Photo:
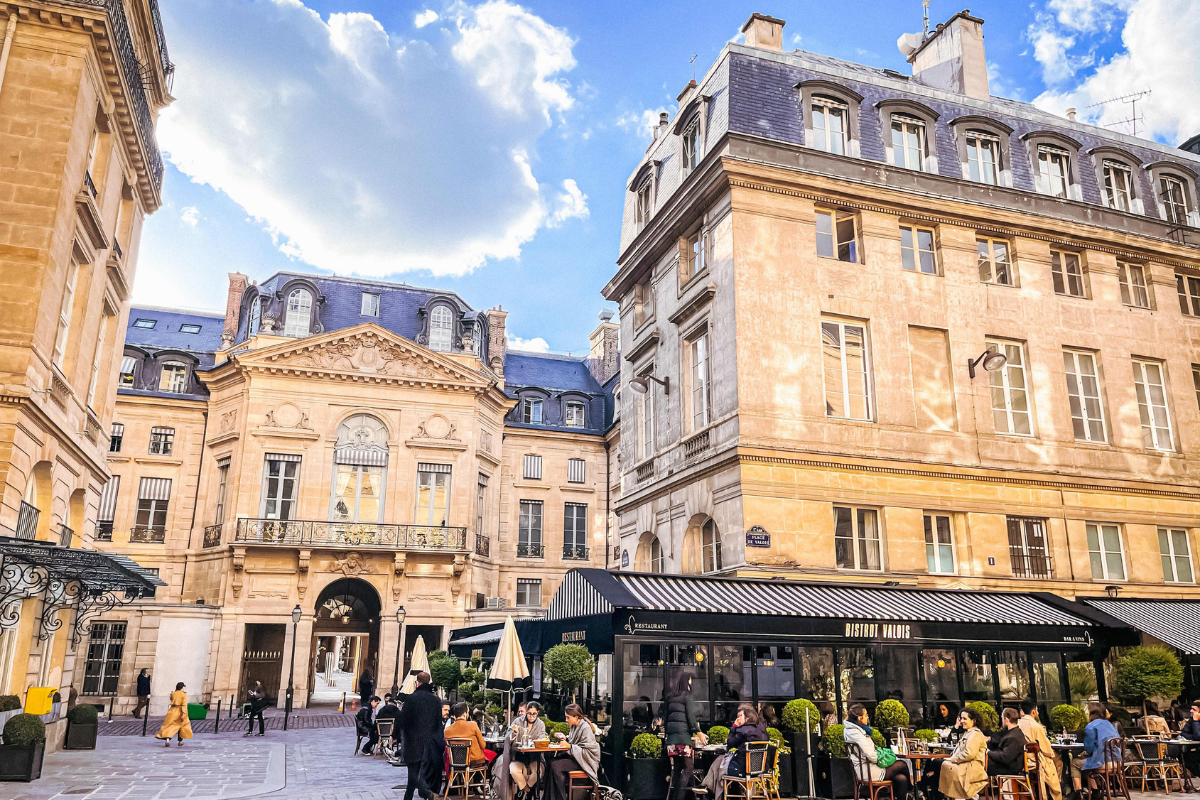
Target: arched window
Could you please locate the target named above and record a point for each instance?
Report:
(255, 317)
(656, 556)
(1117, 173)
(174, 377)
(441, 322)
(359, 470)
(710, 538)
(299, 313)
(1173, 187)
(481, 341)
(649, 554)
(830, 114)
(1055, 161)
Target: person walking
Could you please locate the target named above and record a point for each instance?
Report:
(679, 719)
(176, 722)
(420, 724)
(143, 694)
(366, 687)
(257, 697)
(364, 720)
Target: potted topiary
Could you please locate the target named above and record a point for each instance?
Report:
(81, 728)
(802, 720)
(10, 705)
(570, 665)
(23, 748)
(1067, 718)
(646, 769)
(890, 717)
(1146, 672)
(925, 735)
(991, 720)
(718, 734)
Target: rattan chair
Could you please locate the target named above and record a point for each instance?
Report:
(754, 783)
(384, 727)
(771, 776)
(862, 775)
(1156, 765)
(462, 775)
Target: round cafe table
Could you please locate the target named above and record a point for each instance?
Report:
(1067, 751)
(552, 749)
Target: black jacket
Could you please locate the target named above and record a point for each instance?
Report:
(366, 687)
(363, 720)
(746, 733)
(679, 720)
(1190, 730)
(143, 686)
(1009, 757)
(387, 711)
(420, 723)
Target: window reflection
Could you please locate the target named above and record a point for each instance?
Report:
(1012, 669)
(650, 670)
(898, 676)
(977, 676)
(815, 677)
(1047, 680)
(731, 681)
(858, 676)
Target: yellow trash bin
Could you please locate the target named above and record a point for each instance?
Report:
(40, 699)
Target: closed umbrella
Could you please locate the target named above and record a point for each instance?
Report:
(509, 672)
(419, 663)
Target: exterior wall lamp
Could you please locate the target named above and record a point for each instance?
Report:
(990, 359)
(641, 385)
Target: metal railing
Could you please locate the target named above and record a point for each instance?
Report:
(530, 550)
(575, 552)
(87, 182)
(696, 445)
(1025, 565)
(212, 535)
(483, 546)
(65, 535)
(27, 521)
(299, 532)
(104, 529)
(147, 534)
(116, 248)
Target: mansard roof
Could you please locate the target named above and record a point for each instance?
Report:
(556, 378)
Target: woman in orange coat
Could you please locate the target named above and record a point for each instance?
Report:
(176, 723)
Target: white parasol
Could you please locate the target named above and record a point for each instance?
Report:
(419, 663)
(509, 672)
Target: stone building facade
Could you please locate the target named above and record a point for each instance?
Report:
(815, 256)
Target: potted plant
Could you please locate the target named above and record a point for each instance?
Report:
(803, 738)
(81, 728)
(786, 768)
(718, 734)
(23, 748)
(445, 670)
(837, 776)
(646, 770)
(991, 719)
(890, 717)
(10, 704)
(1146, 672)
(1067, 718)
(925, 735)
(570, 665)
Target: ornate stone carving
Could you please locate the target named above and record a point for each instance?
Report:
(398, 574)
(302, 566)
(352, 564)
(228, 421)
(437, 427)
(287, 415)
(239, 565)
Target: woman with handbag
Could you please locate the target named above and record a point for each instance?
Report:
(882, 764)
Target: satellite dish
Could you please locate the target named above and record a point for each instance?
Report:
(908, 43)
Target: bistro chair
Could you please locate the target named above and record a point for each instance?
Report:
(1109, 780)
(581, 785)
(862, 775)
(771, 776)
(1155, 764)
(462, 775)
(1020, 786)
(384, 727)
(754, 783)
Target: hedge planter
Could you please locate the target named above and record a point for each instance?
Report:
(21, 762)
(836, 778)
(80, 736)
(646, 778)
(787, 782)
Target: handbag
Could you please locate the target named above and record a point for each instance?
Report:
(885, 757)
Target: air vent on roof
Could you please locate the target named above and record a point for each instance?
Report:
(891, 73)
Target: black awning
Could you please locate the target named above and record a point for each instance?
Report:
(1175, 622)
(95, 571)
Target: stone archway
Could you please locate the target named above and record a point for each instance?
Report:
(345, 639)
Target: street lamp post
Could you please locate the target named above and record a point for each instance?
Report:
(399, 643)
(287, 704)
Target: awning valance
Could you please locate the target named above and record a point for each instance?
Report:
(1175, 622)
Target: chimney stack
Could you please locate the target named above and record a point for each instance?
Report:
(497, 340)
(686, 94)
(1071, 114)
(604, 360)
(233, 304)
(764, 32)
(952, 58)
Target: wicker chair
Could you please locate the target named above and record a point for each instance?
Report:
(771, 776)
(862, 775)
(384, 727)
(462, 775)
(754, 783)
(1156, 766)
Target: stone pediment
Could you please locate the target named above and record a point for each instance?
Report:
(366, 352)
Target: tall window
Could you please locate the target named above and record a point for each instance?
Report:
(64, 314)
(696, 260)
(370, 305)
(994, 264)
(837, 235)
(1054, 168)
(646, 418)
(575, 531)
(280, 473)
(162, 441)
(829, 125)
(1029, 548)
(908, 142)
(856, 540)
(441, 319)
(1010, 397)
(222, 488)
(255, 316)
(433, 494)
(116, 437)
(100, 337)
(644, 202)
(1188, 289)
(710, 546)
(1105, 551)
(939, 544)
(1083, 389)
(154, 497)
(173, 378)
(574, 414)
(576, 470)
(1174, 199)
(529, 529)
(480, 502)
(299, 310)
(916, 250)
(1196, 382)
(106, 649)
(1067, 273)
(1176, 555)
(107, 510)
(529, 592)
(983, 157)
(1118, 185)
(1134, 290)
(532, 468)
(128, 365)
(847, 370)
(531, 411)
(360, 458)
(657, 561)
(692, 144)
(701, 395)
(1150, 384)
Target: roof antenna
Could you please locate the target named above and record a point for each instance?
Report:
(692, 61)
(1132, 99)
(925, 11)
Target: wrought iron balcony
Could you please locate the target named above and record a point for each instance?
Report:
(575, 552)
(212, 535)
(147, 534)
(104, 529)
(87, 182)
(530, 550)
(483, 546)
(1031, 565)
(65, 535)
(27, 521)
(320, 533)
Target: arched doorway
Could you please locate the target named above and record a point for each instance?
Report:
(345, 640)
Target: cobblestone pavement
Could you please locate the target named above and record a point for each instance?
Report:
(125, 726)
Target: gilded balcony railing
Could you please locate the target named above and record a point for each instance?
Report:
(147, 534)
(483, 546)
(212, 535)
(317, 533)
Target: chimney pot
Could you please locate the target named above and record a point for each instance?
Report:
(1071, 114)
(233, 305)
(952, 58)
(764, 32)
(604, 360)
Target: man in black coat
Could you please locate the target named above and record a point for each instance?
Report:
(420, 724)
(257, 698)
(143, 694)
(364, 720)
(1009, 757)
(366, 687)
(1190, 730)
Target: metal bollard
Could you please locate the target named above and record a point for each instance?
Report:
(342, 705)
(111, 702)
(145, 719)
(217, 722)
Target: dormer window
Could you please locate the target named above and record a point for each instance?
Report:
(693, 144)
(1118, 185)
(480, 341)
(370, 304)
(644, 207)
(983, 157)
(830, 120)
(441, 322)
(531, 411)
(908, 142)
(574, 414)
(1054, 171)
(173, 378)
(255, 317)
(299, 313)
(1173, 196)
(128, 365)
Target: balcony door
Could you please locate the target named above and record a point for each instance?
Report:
(280, 473)
(359, 470)
(433, 494)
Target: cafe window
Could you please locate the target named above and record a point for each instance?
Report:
(815, 677)
(897, 675)
(1081, 680)
(651, 671)
(776, 668)
(939, 668)
(857, 665)
(1047, 678)
(1012, 670)
(732, 684)
(977, 680)
(856, 538)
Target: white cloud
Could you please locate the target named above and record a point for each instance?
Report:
(361, 154)
(571, 203)
(641, 124)
(534, 345)
(1161, 41)
(1088, 15)
(190, 215)
(1052, 48)
(425, 17)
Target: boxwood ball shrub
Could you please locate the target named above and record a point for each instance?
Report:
(793, 715)
(83, 715)
(569, 664)
(891, 714)
(9, 702)
(646, 745)
(774, 734)
(557, 727)
(925, 735)
(1145, 672)
(1067, 717)
(718, 734)
(834, 741)
(877, 738)
(24, 730)
(991, 720)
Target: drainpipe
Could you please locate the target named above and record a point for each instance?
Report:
(607, 499)
(8, 37)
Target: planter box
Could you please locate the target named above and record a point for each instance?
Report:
(835, 777)
(801, 744)
(646, 778)
(787, 781)
(197, 711)
(21, 762)
(80, 737)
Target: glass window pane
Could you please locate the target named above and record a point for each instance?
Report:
(1081, 680)
(1012, 669)
(815, 677)
(940, 672)
(977, 676)
(730, 671)
(825, 245)
(898, 674)
(1048, 680)
(858, 675)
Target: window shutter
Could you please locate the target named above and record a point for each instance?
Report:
(576, 470)
(108, 500)
(154, 489)
(1016, 551)
(533, 467)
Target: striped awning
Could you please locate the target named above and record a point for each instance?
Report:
(154, 489)
(370, 456)
(282, 457)
(108, 499)
(585, 592)
(1176, 622)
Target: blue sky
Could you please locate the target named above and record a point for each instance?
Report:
(484, 147)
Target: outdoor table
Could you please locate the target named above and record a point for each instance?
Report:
(1067, 751)
(540, 790)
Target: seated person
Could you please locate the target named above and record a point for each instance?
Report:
(962, 774)
(1049, 763)
(747, 727)
(463, 728)
(584, 754)
(1008, 758)
(1190, 730)
(526, 768)
(1098, 731)
(364, 721)
(858, 731)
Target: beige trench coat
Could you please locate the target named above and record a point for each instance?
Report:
(963, 774)
(1035, 733)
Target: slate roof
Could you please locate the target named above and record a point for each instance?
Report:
(555, 378)
(166, 334)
